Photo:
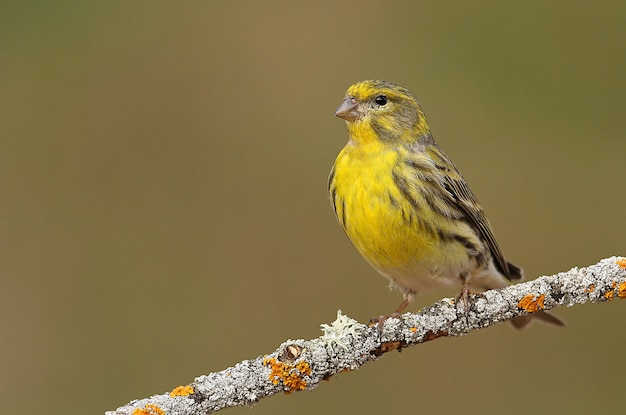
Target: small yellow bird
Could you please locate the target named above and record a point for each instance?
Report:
(405, 206)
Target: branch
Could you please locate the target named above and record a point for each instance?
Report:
(347, 344)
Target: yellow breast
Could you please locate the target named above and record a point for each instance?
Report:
(378, 219)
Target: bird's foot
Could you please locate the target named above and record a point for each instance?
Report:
(380, 320)
(464, 296)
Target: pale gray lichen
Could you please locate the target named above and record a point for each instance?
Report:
(337, 332)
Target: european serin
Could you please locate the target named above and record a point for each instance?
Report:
(403, 203)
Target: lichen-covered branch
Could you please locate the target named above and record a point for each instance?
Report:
(347, 344)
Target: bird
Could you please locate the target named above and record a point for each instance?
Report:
(406, 207)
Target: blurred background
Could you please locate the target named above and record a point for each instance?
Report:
(164, 215)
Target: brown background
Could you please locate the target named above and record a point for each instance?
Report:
(163, 214)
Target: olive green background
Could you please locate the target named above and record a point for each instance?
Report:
(163, 206)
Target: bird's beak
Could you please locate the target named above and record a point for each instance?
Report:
(348, 110)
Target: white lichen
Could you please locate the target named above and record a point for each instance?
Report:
(339, 331)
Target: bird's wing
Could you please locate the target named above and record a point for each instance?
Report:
(464, 198)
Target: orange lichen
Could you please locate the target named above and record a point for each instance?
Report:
(149, 409)
(290, 375)
(609, 295)
(413, 329)
(621, 262)
(532, 304)
(303, 367)
(591, 288)
(621, 291)
(181, 391)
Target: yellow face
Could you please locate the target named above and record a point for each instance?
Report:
(384, 111)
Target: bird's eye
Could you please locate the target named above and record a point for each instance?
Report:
(380, 100)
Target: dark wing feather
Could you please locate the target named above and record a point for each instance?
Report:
(466, 201)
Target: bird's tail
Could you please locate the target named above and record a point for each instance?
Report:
(522, 321)
(515, 273)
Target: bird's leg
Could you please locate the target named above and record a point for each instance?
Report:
(464, 295)
(409, 296)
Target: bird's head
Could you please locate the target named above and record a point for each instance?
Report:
(383, 111)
